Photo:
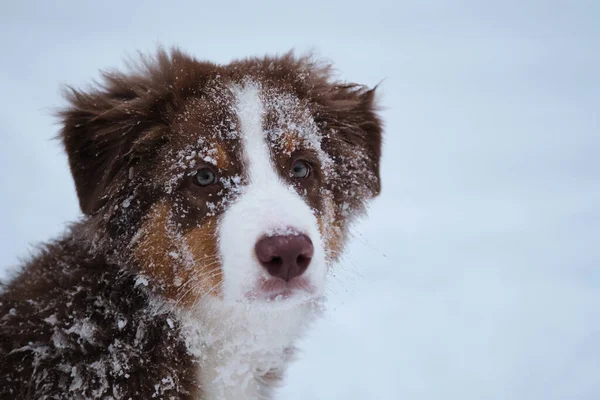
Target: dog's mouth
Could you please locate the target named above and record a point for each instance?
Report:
(277, 290)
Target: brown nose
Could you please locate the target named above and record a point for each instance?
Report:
(285, 257)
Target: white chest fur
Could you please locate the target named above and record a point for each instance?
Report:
(241, 350)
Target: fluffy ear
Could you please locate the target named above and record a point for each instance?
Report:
(97, 135)
(371, 126)
(351, 111)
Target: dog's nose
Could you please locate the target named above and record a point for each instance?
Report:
(285, 257)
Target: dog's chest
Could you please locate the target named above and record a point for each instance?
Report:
(243, 357)
(241, 376)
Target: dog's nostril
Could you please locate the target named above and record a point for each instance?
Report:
(286, 256)
(276, 261)
(303, 261)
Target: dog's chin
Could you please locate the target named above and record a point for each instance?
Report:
(277, 291)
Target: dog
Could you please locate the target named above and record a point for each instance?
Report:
(215, 200)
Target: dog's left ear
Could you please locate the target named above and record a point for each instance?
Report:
(351, 111)
(371, 125)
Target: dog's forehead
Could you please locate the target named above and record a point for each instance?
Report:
(209, 116)
(210, 123)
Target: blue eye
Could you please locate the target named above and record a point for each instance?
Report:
(205, 177)
(300, 170)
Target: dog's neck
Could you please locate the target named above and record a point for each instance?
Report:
(241, 351)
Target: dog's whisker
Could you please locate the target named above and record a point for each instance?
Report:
(359, 237)
(199, 298)
(198, 284)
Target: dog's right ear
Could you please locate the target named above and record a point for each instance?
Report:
(97, 134)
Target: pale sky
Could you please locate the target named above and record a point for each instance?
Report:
(477, 275)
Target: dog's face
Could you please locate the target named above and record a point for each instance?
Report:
(236, 182)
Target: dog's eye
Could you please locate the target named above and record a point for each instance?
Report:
(301, 169)
(205, 177)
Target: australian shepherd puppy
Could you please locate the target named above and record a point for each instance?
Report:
(215, 200)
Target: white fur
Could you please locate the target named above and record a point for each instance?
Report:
(237, 345)
(239, 341)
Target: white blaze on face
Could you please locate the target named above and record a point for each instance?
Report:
(266, 206)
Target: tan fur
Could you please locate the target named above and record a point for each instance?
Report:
(202, 242)
(163, 255)
(220, 155)
(290, 142)
(331, 232)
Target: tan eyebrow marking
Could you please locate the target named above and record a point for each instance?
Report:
(290, 141)
(221, 156)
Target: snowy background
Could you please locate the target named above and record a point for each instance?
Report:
(477, 275)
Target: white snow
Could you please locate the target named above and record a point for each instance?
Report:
(51, 319)
(122, 323)
(141, 280)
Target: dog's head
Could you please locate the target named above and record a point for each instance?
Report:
(236, 182)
